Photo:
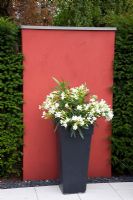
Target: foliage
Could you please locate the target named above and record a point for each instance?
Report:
(70, 13)
(89, 12)
(70, 108)
(11, 128)
(122, 140)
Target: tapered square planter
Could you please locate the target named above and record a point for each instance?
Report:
(74, 157)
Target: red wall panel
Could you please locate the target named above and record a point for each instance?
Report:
(77, 57)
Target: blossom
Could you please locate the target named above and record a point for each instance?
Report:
(57, 105)
(75, 127)
(74, 90)
(44, 113)
(40, 107)
(62, 95)
(84, 88)
(51, 95)
(51, 110)
(66, 105)
(58, 114)
(87, 106)
(46, 105)
(109, 116)
(102, 102)
(74, 118)
(94, 118)
(79, 107)
(64, 124)
(92, 100)
(82, 123)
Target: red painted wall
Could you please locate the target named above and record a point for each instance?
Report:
(77, 57)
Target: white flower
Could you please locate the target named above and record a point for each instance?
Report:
(109, 116)
(103, 109)
(82, 123)
(58, 114)
(77, 118)
(92, 111)
(84, 88)
(66, 105)
(64, 122)
(79, 107)
(74, 118)
(80, 118)
(88, 118)
(87, 106)
(102, 102)
(74, 90)
(51, 111)
(103, 114)
(67, 120)
(76, 97)
(92, 100)
(46, 105)
(55, 92)
(94, 118)
(44, 113)
(98, 110)
(62, 95)
(61, 121)
(56, 105)
(75, 127)
(51, 95)
(40, 107)
(65, 125)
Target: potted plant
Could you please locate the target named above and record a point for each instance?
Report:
(75, 116)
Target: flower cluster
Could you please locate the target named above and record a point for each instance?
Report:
(69, 107)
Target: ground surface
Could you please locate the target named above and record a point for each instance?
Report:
(95, 191)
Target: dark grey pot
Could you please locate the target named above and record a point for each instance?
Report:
(74, 157)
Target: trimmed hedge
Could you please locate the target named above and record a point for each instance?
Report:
(122, 139)
(11, 126)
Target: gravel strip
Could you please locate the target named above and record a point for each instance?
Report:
(111, 180)
(4, 184)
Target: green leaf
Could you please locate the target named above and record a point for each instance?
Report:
(81, 134)
(58, 82)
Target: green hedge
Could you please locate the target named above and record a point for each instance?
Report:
(11, 128)
(122, 140)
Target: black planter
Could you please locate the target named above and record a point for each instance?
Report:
(74, 156)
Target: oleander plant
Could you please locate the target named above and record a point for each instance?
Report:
(74, 108)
